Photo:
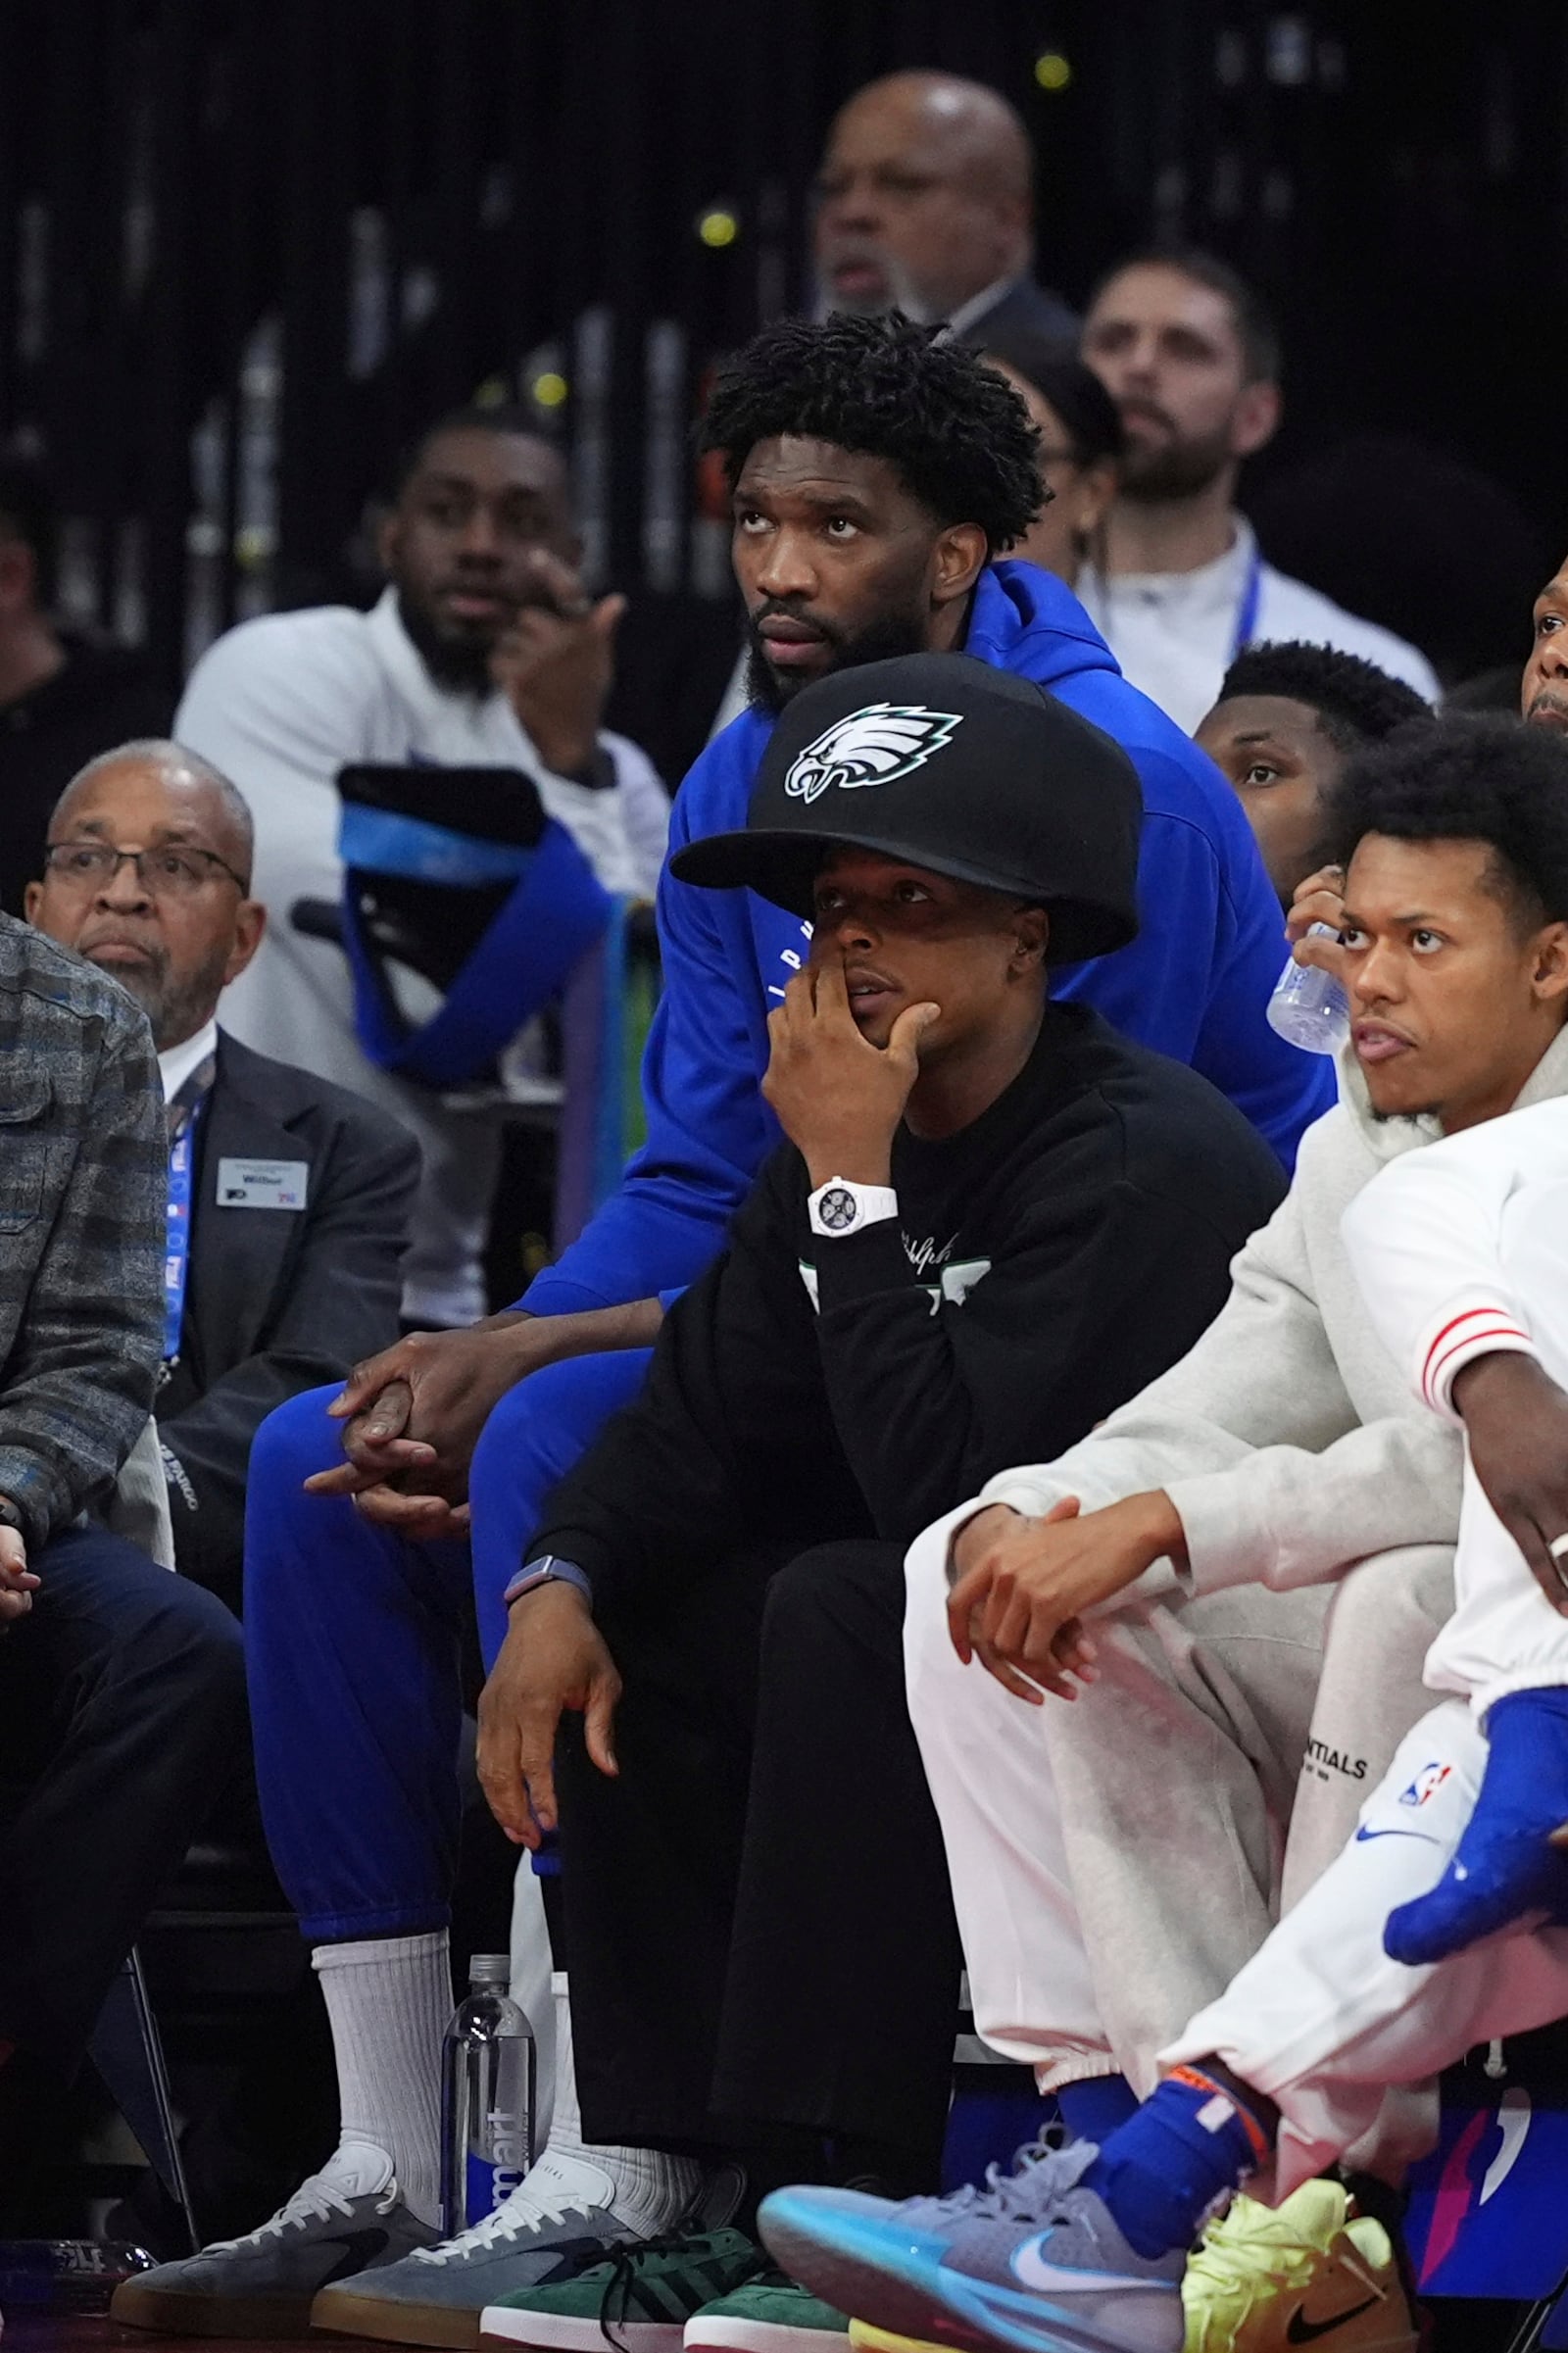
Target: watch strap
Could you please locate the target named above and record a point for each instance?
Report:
(842, 1207)
(547, 1569)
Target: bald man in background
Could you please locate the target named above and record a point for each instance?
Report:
(288, 1197)
(926, 206)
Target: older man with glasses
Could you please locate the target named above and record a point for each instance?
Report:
(288, 1199)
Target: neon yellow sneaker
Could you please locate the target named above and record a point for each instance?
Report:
(883, 2340)
(1265, 2278)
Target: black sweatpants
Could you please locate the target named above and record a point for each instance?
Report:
(760, 1930)
(121, 1719)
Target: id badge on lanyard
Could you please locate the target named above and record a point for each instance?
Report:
(1246, 609)
(177, 1244)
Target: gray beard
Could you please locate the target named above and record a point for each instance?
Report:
(174, 1010)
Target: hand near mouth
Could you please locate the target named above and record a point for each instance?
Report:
(839, 1098)
(555, 661)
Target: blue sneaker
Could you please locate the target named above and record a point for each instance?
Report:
(1031, 2261)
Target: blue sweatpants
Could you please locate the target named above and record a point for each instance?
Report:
(352, 1640)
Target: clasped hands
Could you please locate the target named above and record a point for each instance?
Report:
(413, 1416)
(1020, 1587)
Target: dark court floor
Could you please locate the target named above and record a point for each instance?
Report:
(46, 2334)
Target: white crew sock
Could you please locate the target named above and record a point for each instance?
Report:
(388, 2002)
(646, 2190)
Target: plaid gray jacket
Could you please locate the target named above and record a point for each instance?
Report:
(83, 1197)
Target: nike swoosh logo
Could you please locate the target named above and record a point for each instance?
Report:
(1302, 2331)
(1425, 1837)
(1057, 2279)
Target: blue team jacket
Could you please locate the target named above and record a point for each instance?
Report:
(1194, 983)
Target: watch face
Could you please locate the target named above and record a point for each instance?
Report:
(838, 1208)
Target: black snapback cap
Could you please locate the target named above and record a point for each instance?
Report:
(942, 762)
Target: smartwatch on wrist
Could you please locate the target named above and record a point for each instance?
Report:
(548, 1570)
(840, 1206)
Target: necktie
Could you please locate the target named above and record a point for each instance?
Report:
(180, 1108)
(180, 1112)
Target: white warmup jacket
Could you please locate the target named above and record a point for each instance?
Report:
(1459, 1254)
(1174, 633)
(1461, 1251)
(1115, 1862)
(1288, 1437)
(280, 705)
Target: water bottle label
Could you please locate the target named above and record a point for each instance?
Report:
(493, 2173)
(479, 2190)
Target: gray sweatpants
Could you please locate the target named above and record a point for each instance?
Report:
(1116, 1861)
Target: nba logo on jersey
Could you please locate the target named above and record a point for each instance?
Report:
(1426, 1783)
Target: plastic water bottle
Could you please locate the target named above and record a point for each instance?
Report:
(487, 2097)
(1309, 1005)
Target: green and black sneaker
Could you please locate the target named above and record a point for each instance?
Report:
(637, 2300)
(768, 2314)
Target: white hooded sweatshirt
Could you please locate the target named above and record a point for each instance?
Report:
(1289, 1438)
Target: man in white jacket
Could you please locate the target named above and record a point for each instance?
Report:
(483, 651)
(1456, 931)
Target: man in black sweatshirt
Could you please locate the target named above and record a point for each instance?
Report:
(994, 1219)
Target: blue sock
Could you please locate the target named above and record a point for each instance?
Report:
(1505, 1865)
(1161, 2171)
(1091, 2110)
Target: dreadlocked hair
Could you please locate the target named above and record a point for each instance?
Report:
(956, 432)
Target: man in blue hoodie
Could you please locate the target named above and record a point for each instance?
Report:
(877, 474)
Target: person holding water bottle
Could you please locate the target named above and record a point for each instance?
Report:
(1287, 717)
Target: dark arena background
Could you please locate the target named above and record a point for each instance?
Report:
(245, 244)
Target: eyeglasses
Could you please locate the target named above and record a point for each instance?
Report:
(166, 873)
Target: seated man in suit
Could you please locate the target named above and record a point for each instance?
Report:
(288, 1197)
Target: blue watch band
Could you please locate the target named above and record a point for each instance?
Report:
(547, 1569)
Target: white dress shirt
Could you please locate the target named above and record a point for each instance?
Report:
(176, 1062)
(1175, 633)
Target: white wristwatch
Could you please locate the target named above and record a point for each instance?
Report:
(840, 1206)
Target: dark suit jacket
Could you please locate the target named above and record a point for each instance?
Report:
(276, 1300)
(1035, 309)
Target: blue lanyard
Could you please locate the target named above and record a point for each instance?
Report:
(1247, 610)
(176, 1246)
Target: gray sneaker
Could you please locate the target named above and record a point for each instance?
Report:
(434, 2296)
(348, 2218)
(1033, 2260)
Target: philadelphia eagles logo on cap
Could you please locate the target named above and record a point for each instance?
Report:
(872, 746)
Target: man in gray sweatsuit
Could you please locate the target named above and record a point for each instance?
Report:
(1115, 1862)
